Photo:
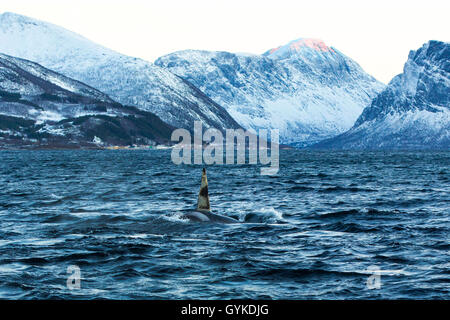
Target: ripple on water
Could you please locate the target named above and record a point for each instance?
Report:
(310, 232)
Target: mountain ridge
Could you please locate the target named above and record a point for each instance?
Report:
(307, 99)
(41, 108)
(413, 112)
(127, 80)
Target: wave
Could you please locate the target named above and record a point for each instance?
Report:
(176, 217)
(340, 213)
(352, 227)
(299, 188)
(274, 274)
(345, 189)
(264, 215)
(63, 217)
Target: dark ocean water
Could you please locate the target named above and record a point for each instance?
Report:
(311, 232)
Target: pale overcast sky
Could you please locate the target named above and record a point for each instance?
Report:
(377, 34)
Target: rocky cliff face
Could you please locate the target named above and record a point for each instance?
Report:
(127, 80)
(306, 89)
(41, 108)
(413, 112)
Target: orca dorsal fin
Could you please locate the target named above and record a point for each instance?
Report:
(203, 196)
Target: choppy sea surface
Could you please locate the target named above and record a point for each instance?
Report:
(330, 225)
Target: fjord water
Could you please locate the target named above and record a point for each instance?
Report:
(311, 232)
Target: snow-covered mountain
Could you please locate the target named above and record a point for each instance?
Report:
(31, 91)
(128, 80)
(306, 89)
(413, 112)
(39, 107)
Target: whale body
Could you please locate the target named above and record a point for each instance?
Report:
(198, 216)
(203, 212)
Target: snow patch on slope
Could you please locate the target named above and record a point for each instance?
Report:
(128, 80)
(308, 91)
(413, 112)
